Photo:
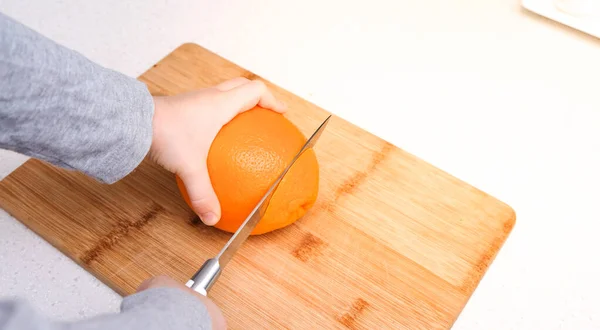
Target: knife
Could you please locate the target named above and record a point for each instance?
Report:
(210, 271)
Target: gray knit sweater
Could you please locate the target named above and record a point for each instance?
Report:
(58, 106)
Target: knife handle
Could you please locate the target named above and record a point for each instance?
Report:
(205, 277)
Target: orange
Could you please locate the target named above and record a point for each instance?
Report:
(246, 157)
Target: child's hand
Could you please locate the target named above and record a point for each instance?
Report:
(185, 125)
(216, 317)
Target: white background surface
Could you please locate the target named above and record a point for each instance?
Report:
(501, 98)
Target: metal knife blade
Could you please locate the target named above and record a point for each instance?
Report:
(211, 269)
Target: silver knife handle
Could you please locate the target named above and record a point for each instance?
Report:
(205, 277)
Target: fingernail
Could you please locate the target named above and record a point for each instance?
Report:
(209, 218)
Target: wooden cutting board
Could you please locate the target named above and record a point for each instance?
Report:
(392, 242)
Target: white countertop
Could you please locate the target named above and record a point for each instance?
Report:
(499, 97)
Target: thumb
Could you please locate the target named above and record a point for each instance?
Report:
(202, 196)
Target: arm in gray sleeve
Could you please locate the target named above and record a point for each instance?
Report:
(153, 309)
(58, 106)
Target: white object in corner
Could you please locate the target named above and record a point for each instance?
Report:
(583, 15)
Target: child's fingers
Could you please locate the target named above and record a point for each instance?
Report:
(215, 313)
(201, 194)
(247, 96)
(232, 83)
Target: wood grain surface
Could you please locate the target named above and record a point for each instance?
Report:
(392, 242)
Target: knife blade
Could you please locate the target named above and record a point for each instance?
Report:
(210, 271)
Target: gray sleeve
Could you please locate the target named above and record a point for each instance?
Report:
(58, 106)
(153, 309)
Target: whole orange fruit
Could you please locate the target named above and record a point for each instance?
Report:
(246, 157)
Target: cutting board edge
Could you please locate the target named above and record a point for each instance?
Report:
(482, 269)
